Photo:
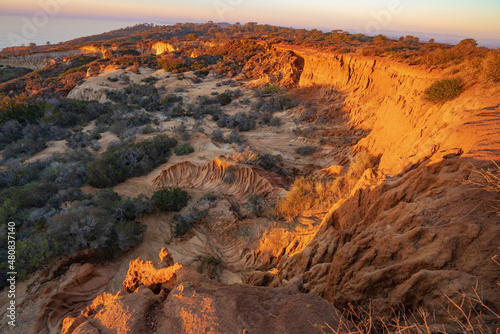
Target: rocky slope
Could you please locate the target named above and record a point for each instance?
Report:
(411, 232)
(167, 298)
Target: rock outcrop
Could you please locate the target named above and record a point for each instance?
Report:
(283, 67)
(194, 304)
(99, 51)
(240, 181)
(162, 47)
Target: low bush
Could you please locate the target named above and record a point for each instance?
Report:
(83, 139)
(443, 90)
(171, 98)
(208, 197)
(183, 149)
(268, 90)
(272, 163)
(192, 216)
(240, 121)
(218, 136)
(276, 103)
(235, 137)
(170, 199)
(490, 70)
(306, 150)
(150, 80)
(25, 147)
(20, 108)
(256, 205)
(311, 193)
(116, 165)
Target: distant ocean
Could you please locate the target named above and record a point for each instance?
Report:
(17, 29)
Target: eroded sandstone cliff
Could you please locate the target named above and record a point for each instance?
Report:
(412, 233)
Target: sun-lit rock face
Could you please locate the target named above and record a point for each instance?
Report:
(281, 67)
(411, 231)
(146, 273)
(93, 69)
(188, 302)
(97, 50)
(162, 47)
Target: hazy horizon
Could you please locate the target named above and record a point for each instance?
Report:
(478, 20)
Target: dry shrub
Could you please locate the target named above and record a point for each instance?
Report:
(486, 179)
(491, 66)
(248, 155)
(311, 193)
(301, 197)
(469, 315)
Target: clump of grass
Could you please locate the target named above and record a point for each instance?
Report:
(268, 90)
(208, 197)
(488, 179)
(444, 90)
(471, 318)
(312, 193)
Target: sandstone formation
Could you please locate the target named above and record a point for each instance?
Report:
(161, 48)
(194, 304)
(98, 51)
(284, 67)
(210, 178)
(413, 233)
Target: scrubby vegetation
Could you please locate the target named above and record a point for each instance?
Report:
(443, 90)
(171, 199)
(116, 165)
(53, 217)
(306, 150)
(185, 222)
(240, 121)
(487, 179)
(309, 192)
(183, 149)
(252, 156)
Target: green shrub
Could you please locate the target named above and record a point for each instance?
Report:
(183, 149)
(192, 216)
(20, 108)
(268, 90)
(137, 159)
(208, 197)
(150, 80)
(443, 90)
(170, 199)
(306, 150)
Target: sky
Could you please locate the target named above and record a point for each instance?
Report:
(476, 19)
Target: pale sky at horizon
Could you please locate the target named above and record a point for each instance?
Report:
(462, 17)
